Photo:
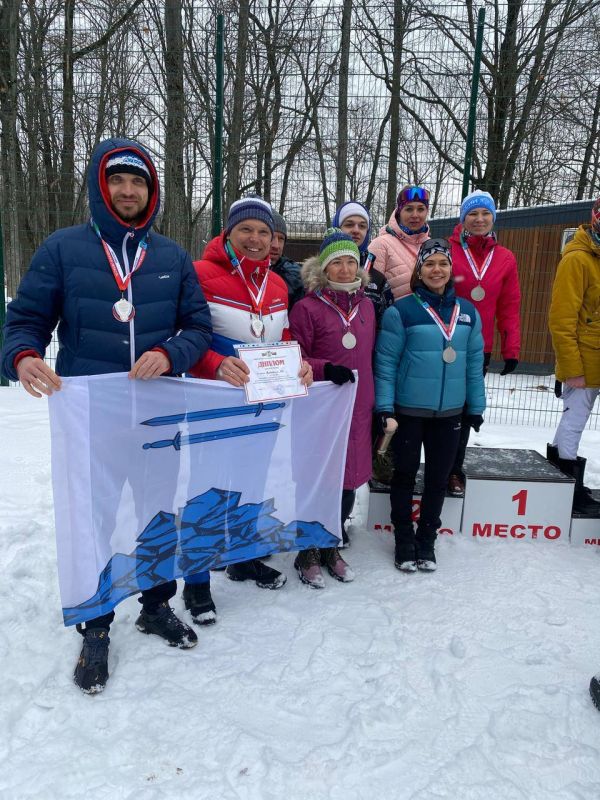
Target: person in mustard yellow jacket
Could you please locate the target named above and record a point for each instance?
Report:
(575, 327)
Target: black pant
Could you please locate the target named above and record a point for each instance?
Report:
(465, 430)
(348, 497)
(439, 436)
(150, 600)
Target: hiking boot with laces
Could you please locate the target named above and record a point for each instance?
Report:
(264, 577)
(164, 623)
(199, 603)
(91, 670)
(336, 566)
(308, 567)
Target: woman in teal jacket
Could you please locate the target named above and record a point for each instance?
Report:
(428, 365)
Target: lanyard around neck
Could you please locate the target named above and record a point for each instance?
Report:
(478, 273)
(258, 298)
(346, 318)
(122, 278)
(447, 330)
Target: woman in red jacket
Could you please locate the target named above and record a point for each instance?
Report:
(485, 273)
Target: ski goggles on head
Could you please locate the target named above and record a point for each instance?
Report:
(412, 194)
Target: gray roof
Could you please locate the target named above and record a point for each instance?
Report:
(567, 214)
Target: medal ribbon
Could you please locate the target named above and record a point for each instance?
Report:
(447, 330)
(122, 278)
(346, 318)
(256, 299)
(476, 271)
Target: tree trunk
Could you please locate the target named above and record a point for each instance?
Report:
(232, 182)
(342, 120)
(176, 221)
(16, 232)
(67, 166)
(392, 185)
(584, 175)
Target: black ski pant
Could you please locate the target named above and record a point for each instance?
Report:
(150, 600)
(348, 497)
(439, 436)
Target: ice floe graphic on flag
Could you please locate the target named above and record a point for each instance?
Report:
(160, 479)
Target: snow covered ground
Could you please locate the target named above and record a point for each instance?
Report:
(466, 684)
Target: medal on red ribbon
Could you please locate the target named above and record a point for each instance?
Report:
(348, 339)
(257, 326)
(448, 353)
(123, 310)
(478, 292)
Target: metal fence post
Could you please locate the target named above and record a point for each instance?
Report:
(218, 157)
(3, 381)
(473, 103)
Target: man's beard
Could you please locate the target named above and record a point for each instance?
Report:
(131, 216)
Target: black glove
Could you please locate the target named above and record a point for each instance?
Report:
(475, 421)
(558, 389)
(337, 373)
(510, 364)
(381, 418)
(486, 362)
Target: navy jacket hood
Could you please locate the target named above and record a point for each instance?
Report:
(112, 227)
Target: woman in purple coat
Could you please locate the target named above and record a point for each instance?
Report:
(335, 326)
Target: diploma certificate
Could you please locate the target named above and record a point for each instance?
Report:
(273, 369)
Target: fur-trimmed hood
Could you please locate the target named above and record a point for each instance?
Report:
(314, 277)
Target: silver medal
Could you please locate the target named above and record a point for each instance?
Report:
(478, 293)
(349, 340)
(123, 310)
(257, 326)
(449, 355)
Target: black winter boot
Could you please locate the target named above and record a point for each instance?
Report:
(595, 690)
(91, 670)
(164, 623)
(199, 603)
(264, 577)
(552, 455)
(583, 502)
(425, 549)
(404, 555)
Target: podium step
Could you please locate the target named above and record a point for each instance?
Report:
(516, 495)
(509, 494)
(493, 463)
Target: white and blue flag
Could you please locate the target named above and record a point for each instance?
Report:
(165, 478)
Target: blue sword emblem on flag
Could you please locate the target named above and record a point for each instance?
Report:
(213, 413)
(179, 441)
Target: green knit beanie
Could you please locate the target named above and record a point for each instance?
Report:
(336, 243)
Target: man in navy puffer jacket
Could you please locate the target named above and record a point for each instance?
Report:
(125, 299)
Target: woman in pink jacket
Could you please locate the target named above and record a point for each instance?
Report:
(485, 273)
(396, 247)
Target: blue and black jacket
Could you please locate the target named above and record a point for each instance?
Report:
(411, 377)
(69, 282)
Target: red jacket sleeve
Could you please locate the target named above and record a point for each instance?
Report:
(508, 311)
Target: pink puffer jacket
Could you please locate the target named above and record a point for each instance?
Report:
(395, 255)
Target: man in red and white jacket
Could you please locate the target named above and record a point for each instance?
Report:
(249, 304)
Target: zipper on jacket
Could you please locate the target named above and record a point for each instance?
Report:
(443, 384)
(127, 269)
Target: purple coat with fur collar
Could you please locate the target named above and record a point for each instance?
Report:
(319, 330)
